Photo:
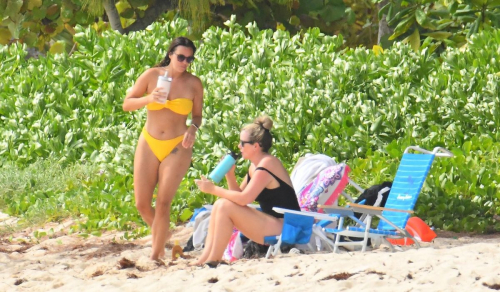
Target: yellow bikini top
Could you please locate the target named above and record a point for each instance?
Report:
(182, 106)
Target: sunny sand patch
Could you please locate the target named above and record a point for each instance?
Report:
(106, 263)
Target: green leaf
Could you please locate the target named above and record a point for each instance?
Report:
(375, 125)
(14, 28)
(127, 13)
(439, 13)
(294, 20)
(384, 10)
(310, 5)
(39, 13)
(13, 8)
(465, 12)
(58, 48)
(480, 3)
(444, 23)
(96, 233)
(82, 17)
(452, 8)
(351, 16)
(332, 13)
(138, 3)
(3, 5)
(402, 27)
(430, 24)
(185, 215)
(438, 35)
(34, 4)
(5, 36)
(420, 16)
(30, 39)
(405, 13)
(493, 3)
(390, 13)
(414, 40)
(474, 28)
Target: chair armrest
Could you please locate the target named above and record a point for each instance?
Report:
(367, 207)
(442, 152)
(319, 216)
(341, 211)
(437, 151)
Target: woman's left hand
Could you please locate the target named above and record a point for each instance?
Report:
(189, 138)
(205, 185)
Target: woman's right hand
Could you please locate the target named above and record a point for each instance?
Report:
(231, 172)
(158, 96)
(205, 185)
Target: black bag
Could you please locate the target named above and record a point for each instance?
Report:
(371, 194)
(253, 250)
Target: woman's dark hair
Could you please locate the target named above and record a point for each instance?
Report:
(259, 132)
(179, 41)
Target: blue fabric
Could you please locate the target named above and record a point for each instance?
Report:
(362, 231)
(374, 231)
(270, 239)
(406, 187)
(324, 223)
(196, 212)
(297, 229)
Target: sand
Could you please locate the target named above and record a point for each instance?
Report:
(63, 262)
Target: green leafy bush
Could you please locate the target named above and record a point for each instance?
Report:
(355, 105)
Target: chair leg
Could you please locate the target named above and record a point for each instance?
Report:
(389, 244)
(322, 237)
(269, 251)
(276, 248)
(367, 231)
(272, 250)
(337, 236)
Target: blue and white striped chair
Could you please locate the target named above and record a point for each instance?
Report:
(403, 195)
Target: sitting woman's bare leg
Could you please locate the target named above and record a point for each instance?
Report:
(210, 238)
(253, 223)
(172, 171)
(146, 167)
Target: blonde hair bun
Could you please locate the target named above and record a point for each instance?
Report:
(265, 122)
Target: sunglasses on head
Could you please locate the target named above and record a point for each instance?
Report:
(181, 58)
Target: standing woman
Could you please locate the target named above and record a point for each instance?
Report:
(164, 149)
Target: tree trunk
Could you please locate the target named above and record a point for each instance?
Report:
(113, 16)
(383, 27)
(150, 15)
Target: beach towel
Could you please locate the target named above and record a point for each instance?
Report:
(324, 189)
(234, 249)
(307, 169)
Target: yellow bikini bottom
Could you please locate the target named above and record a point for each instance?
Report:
(161, 148)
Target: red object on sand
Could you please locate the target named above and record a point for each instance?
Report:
(418, 229)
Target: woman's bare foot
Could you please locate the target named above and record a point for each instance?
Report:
(195, 264)
(161, 255)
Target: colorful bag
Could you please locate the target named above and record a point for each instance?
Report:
(234, 249)
(325, 188)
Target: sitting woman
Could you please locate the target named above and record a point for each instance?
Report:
(267, 182)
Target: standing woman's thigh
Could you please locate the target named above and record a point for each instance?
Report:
(172, 170)
(146, 167)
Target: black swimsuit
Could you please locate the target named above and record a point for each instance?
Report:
(282, 196)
